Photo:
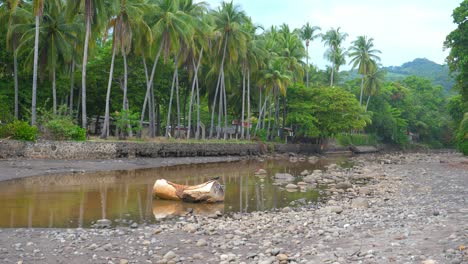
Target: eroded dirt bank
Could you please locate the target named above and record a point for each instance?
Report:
(20, 168)
(413, 209)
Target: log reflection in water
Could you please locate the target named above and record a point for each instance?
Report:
(163, 209)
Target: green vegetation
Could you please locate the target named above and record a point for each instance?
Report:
(63, 129)
(420, 67)
(346, 139)
(462, 135)
(185, 71)
(457, 60)
(18, 130)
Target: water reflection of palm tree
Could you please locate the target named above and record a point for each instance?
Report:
(103, 193)
(82, 203)
(51, 218)
(247, 193)
(149, 201)
(12, 218)
(30, 213)
(140, 207)
(240, 192)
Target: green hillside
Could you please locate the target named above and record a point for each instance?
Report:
(438, 74)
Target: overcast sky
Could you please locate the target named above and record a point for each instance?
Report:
(402, 29)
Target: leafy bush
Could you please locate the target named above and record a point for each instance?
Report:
(63, 128)
(127, 121)
(59, 126)
(356, 139)
(18, 130)
(6, 115)
(462, 135)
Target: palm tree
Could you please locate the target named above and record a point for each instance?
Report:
(96, 13)
(307, 34)
(290, 49)
(252, 61)
(276, 78)
(129, 18)
(373, 83)
(338, 58)
(201, 40)
(333, 38)
(170, 28)
(38, 7)
(58, 34)
(364, 57)
(228, 20)
(12, 14)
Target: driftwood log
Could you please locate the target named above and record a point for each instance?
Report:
(210, 192)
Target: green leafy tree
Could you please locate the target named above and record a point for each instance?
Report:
(13, 13)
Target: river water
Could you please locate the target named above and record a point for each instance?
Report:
(125, 197)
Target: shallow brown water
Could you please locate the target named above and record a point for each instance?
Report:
(77, 200)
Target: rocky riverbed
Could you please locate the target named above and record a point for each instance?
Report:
(399, 208)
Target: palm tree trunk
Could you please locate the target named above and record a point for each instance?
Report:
(260, 114)
(54, 92)
(220, 108)
(83, 76)
(217, 87)
(142, 117)
(269, 122)
(362, 90)
(333, 70)
(225, 108)
(243, 103)
(15, 69)
(150, 93)
(36, 58)
(168, 122)
(78, 105)
(195, 80)
(125, 99)
(72, 84)
(214, 104)
(197, 133)
(331, 78)
(157, 114)
(105, 126)
(177, 133)
(248, 103)
(307, 66)
(368, 100)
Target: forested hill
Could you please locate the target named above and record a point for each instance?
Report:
(438, 74)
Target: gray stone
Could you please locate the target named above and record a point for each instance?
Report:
(103, 223)
(360, 203)
(201, 243)
(291, 186)
(284, 177)
(170, 255)
(343, 185)
(334, 209)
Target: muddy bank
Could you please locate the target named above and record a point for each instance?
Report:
(114, 150)
(20, 168)
(412, 209)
